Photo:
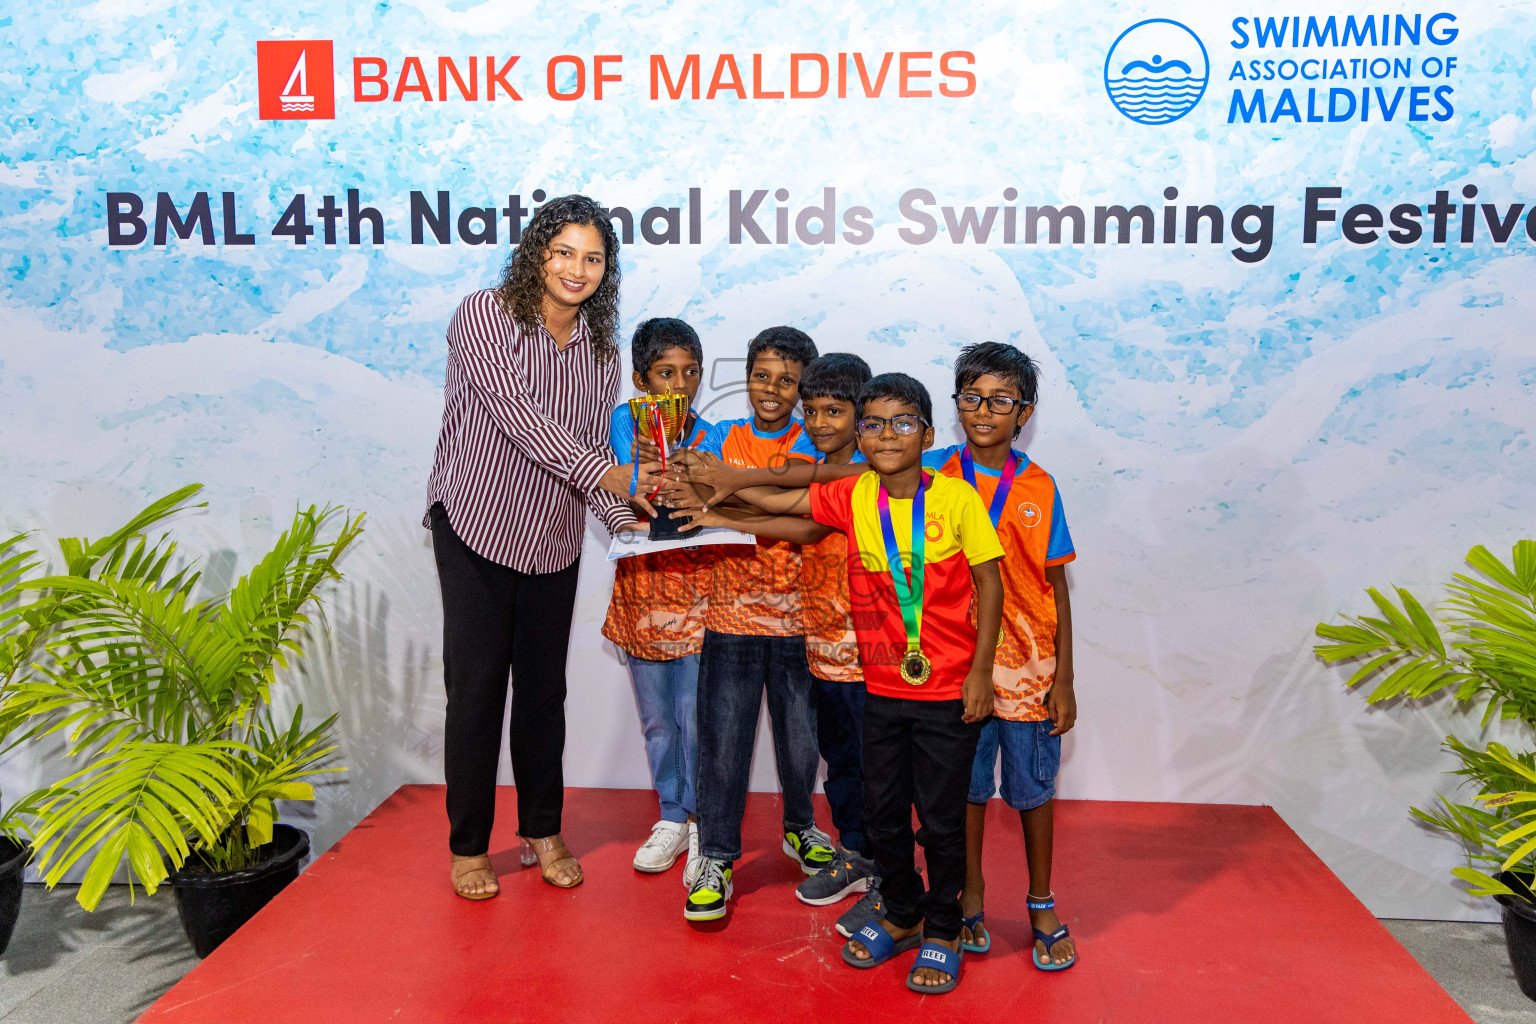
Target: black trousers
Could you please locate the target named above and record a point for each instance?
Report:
(497, 619)
(918, 753)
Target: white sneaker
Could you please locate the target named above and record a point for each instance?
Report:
(659, 852)
(695, 863)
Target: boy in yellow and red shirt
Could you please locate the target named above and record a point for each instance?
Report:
(1035, 704)
(656, 614)
(921, 555)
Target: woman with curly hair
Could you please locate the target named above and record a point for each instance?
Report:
(533, 374)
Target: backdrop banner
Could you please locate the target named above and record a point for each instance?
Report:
(1272, 263)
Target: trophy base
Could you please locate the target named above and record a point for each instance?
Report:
(664, 527)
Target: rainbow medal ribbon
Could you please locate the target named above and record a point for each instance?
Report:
(999, 496)
(915, 667)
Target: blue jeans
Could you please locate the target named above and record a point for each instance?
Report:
(1031, 759)
(840, 736)
(666, 692)
(733, 673)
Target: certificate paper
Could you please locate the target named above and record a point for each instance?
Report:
(638, 542)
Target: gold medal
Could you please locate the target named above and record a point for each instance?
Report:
(915, 667)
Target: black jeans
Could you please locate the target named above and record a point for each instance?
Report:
(733, 673)
(918, 753)
(839, 721)
(497, 619)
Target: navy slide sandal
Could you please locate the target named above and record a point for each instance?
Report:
(880, 945)
(940, 958)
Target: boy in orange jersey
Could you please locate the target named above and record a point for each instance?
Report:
(921, 553)
(754, 640)
(995, 391)
(829, 393)
(656, 615)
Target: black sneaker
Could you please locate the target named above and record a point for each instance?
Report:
(707, 895)
(811, 848)
(867, 911)
(846, 875)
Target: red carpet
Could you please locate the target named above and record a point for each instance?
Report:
(1183, 913)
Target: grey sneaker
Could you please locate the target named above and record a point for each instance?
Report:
(847, 874)
(867, 911)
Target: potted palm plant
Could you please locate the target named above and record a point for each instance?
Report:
(1482, 650)
(166, 702)
(17, 639)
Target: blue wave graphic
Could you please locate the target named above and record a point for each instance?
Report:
(1156, 98)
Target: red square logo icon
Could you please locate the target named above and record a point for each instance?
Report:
(294, 79)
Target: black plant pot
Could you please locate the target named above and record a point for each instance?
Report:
(13, 858)
(213, 905)
(1520, 929)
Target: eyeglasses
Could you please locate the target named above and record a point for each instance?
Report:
(965, 401)
(906, 423)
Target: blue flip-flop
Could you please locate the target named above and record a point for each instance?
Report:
(971, 922)
(1049, 940)
(939, 958)
(880, 944)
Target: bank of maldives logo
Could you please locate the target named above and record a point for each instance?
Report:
(1156, 71)
(294, 80)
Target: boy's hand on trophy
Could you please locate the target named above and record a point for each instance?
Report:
(646, 450)
(695, 518)
(709, 471)
(681, 494)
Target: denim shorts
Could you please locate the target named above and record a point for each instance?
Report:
(1031, 758)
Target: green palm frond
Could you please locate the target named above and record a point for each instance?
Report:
(139, 800)
(165, 698)
(1487, 651)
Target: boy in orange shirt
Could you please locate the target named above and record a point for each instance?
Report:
(754, 641)
(829, 393)
(995, 391)
(656, 615)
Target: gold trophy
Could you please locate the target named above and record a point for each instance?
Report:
(661, 420)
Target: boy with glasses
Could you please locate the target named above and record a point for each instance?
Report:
(921, 552)
(995, 392)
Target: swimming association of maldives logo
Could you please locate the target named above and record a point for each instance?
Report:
(1156, 71)
(294, 80)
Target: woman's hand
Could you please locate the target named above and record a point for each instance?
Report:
(618, 478)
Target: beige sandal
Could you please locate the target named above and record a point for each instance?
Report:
(456, 874)
(551, 854)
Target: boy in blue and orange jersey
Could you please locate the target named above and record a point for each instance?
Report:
(995, 391)
(754, 640)
(656, 615)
